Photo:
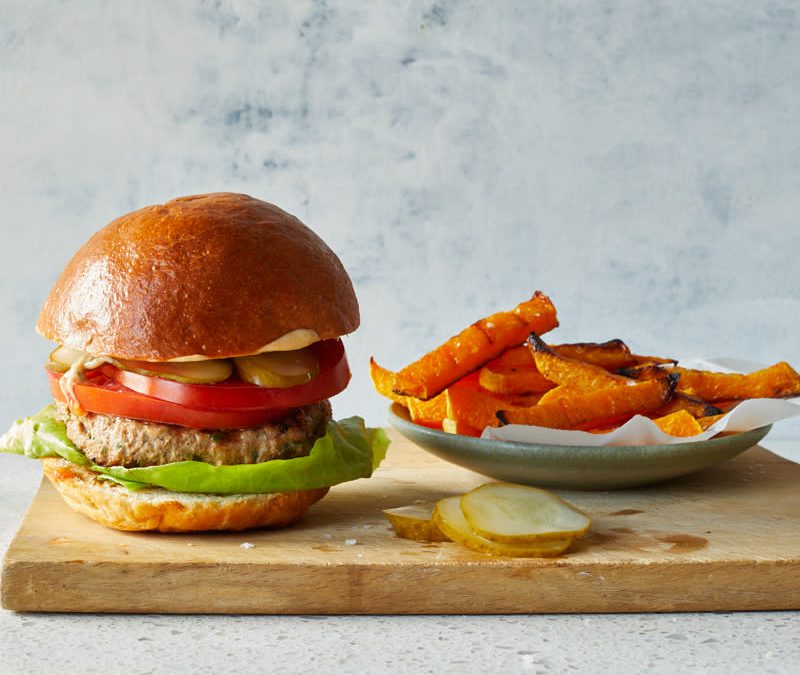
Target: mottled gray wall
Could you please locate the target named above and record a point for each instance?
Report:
(636, 160)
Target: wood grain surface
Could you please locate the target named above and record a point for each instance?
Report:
(726, 538)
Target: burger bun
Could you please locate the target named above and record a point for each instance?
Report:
(210, 276)
(157, 509)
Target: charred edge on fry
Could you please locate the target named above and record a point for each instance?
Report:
(610, 345)
(616, 343)
(649, 371)
(538, 345)
(672, 382)
(704, 408)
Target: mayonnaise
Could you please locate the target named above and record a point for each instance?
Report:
(296, 339)
(75, 374)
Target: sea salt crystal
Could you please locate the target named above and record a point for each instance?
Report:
(351, 542)
(247, 544)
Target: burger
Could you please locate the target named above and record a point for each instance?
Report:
(198, 343)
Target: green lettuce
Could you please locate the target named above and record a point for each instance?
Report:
(349, 450)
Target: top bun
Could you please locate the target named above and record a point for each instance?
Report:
(215, 275)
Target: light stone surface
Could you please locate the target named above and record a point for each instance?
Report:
(638, 161)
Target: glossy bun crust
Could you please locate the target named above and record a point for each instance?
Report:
(156, 509)
(216, 275)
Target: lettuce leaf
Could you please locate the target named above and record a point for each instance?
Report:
(41, 435)
(349, 450)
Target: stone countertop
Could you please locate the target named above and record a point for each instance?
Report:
(763, 642)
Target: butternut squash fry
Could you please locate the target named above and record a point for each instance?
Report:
(611, 355)
(566, 371)
(696, 407)
(515, 357)
(515, 370)
(474, 407)
(383, 381)
(501, 379)
(519, 400)
(473, 347)
(456, 427)
(776, 381)
(602, 404)
(430, 413)
(558, 392)
(707, 421)
(646, 371)
(726, 406)
(679, 423)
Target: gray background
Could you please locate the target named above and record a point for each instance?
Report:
(638, 161)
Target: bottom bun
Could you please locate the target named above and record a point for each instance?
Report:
(157, 509)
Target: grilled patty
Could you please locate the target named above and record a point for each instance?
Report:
(118, 441)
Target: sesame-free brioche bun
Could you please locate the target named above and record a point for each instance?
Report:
(216, 275)
(157, 509)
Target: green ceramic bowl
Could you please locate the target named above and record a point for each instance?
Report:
(574, 467)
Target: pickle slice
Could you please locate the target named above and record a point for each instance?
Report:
(450, 519)
(62, 358)
(194, 372)
(519, 514)
(191, 372)
(415, 521)
(278, 369)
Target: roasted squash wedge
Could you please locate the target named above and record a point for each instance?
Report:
(473, 347)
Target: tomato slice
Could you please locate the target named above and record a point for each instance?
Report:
(236, 394)
(99, 394)
(232, 404)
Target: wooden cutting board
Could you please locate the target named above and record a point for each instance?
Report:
(727, 538)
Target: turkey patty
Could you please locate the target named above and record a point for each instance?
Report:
(119, 441)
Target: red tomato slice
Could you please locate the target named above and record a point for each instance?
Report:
(99, 394)
(236, 394)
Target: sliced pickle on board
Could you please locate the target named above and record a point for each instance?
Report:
(451, 520)
(415, 521)
(519, 514)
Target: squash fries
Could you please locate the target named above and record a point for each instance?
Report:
(500, 371)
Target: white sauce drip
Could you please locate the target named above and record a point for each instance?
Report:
(75, 374)
(296, 339)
